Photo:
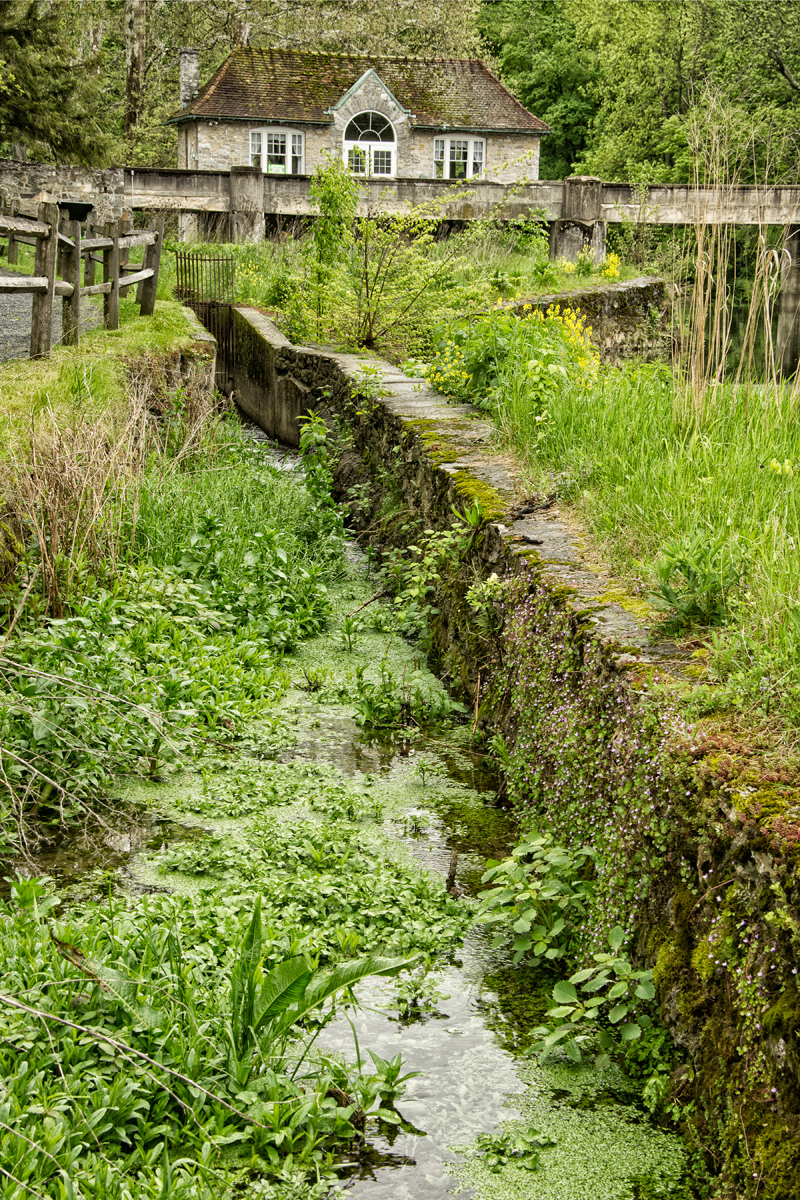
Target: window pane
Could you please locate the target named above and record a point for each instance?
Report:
(255, 148)
(297, 154)
(477, 158)
(357, 160)
(276, 153)
(438, 158)
(459, 156)
(381, 162)
(369, 127)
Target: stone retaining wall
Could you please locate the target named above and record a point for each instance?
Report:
(584, 697)
(628, 320)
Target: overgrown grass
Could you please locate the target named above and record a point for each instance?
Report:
(89, 380)
(645, 473)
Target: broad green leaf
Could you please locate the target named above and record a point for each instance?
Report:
(283, 987)
(581, 976)
(619, 989)
(616, 938)
(617, 1013)
(599, 981)
(572, 1050)
(630, 1032)
(565, 993)
(557, 1035)
(645, 991)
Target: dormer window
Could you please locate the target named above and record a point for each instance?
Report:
(276, 151)
(369, 145)
(458, 157)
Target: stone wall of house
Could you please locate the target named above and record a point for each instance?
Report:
(220, 145)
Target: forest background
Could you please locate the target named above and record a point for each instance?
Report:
(93, 81)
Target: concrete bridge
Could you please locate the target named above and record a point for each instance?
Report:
(242, 204)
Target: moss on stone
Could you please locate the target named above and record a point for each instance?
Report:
(703, 960)
(669, 966)
(492, 503)
(633, 604)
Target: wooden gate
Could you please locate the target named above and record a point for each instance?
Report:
(206, 283)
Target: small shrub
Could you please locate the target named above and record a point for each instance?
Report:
(695, 577)
(539, 895)
(501, 358)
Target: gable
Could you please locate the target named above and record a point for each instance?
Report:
(363, 85)
(267, 85)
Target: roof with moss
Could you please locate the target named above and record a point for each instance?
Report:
(259, 84)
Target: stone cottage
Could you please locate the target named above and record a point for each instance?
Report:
(389, 118)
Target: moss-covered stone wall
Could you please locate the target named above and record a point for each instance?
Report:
(694, 851)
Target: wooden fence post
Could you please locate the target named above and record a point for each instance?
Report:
(111, 274)
(63, 217)
(42, 308)
(125, 226)
(13, 244)
(152, 259)
(71, 305)
(89, 260)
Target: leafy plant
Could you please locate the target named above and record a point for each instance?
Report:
(610, 989)
(417, 995)
(696, 577)
(392, 702)
(519, 1147)
(266, 1007)
(349, 632)
(539, 897)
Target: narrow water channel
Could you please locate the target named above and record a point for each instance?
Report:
(417, 800)
(309, 775)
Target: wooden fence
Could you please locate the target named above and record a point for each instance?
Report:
(61, 249)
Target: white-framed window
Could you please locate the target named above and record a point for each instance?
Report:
(369, 145)
(458, 157)
(277, 151)
(439, 145)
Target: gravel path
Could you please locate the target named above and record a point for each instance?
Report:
(15, 321)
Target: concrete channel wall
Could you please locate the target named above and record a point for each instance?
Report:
(716, 921)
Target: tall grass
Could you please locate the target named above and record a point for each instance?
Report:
(643, 472)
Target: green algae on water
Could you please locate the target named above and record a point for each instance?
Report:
(604, 1148)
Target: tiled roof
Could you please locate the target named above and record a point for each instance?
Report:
(256, 84)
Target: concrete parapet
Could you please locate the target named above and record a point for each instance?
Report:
(247, 204)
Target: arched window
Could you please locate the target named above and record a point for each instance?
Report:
(369, 145)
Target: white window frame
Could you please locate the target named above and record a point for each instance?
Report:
(294, 148)
(368, 148)
(445, 149)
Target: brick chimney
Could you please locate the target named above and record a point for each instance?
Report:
(189, 74)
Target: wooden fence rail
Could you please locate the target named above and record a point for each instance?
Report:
(61, 249)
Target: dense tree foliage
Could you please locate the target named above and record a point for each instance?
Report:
(625, 86)
(46, 105)
(536, 49)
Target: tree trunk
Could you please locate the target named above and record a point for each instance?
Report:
(134, 61)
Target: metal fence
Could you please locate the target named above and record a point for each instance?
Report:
(206, 283)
